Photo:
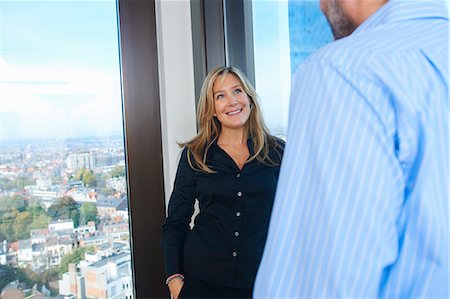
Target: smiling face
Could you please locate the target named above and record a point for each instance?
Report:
(231, 102)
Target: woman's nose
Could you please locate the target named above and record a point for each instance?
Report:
(233, 100)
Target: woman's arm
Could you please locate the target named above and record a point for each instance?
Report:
(176, 226)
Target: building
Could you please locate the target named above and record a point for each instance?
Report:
(107, 249)
(39, 255)
(94, 240)
(45, 197)
(102, 160)
(78, 161)
(43, 183)
(117, 231)
(39, 235)
(110, 278)
(61, 226)
(87, 229)
(107, 207)
(122, 211)
(24, 253)
(117, 183)
(83, 196)
(72, 283)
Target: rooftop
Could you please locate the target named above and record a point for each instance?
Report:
(110, 202)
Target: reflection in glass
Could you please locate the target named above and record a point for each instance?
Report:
(285, 33)
(308, 30)
(64, 227)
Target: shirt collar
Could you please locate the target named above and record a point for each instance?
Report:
(402, 10)
(250, 145)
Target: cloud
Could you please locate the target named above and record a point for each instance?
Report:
(58, 101)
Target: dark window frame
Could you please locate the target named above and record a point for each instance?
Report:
(222, 34)
(143, 144)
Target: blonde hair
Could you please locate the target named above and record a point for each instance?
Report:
(209, 127)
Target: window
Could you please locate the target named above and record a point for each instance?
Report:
(285, 33)
(62, 159)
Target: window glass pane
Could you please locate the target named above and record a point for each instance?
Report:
(285, 33)
(64, 225)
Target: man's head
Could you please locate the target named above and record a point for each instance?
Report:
(344, 16)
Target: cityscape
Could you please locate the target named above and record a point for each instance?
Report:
(64, 226)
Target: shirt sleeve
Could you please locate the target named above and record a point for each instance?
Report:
(333, 227)
(180, 210)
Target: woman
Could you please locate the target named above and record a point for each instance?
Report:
(231, 166)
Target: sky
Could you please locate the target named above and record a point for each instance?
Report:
(59, 69)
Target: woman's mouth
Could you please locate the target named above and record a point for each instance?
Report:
(231, 113)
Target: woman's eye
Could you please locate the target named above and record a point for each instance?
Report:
(236, 91)
(220, 96)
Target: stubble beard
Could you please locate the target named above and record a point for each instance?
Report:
(341, 25)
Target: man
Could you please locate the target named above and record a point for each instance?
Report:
(361, 209)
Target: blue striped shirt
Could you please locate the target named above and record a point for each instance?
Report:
(361, 208)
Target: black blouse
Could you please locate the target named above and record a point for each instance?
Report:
(226, 243)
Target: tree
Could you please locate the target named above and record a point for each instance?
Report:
(87, 176)
(88, 212)
(7, 225)
(8, 203)
(8, 274)
(65, 208)
(118, 171)
(6, 184)
(16, 224)
(108, 191)
(73, 257)
(22, 225)
(35, 209)
(39, 221)
(22, 181)
(75, 216)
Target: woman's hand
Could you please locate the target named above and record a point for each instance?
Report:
(175, 287)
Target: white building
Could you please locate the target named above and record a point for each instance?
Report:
(25, 253)
(72, 283)
(40, 258)
(117, 231)
(43, 183)
(61, 226)
(78, 161)
(85, 229)
(38, 235)
(83, 196)
(117, 183)
(53, 251)
(95, 240)
(45, 197)
(108, 278)
(3, 253)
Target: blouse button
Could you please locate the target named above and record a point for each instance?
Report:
(234, 254)
(236, 234)
(239, 194)
(238, 175)
(238, 214)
